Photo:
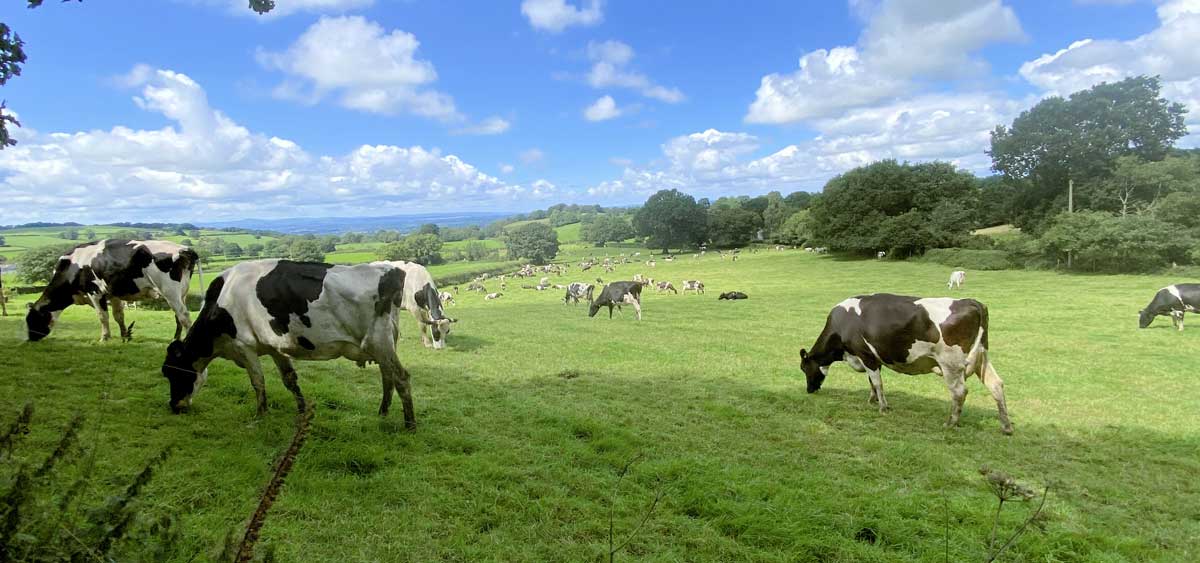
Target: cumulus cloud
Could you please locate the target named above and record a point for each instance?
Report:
(906, 44)
(602, 109)
(489, 126)
(365, 67)
(1168, 51)
(610, 69)
(557, 15)
(203, 165)
(506, 168)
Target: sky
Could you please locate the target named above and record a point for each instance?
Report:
(193, 110)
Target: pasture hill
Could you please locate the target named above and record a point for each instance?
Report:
(529, 419)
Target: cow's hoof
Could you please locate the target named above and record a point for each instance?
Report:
(1007, 431)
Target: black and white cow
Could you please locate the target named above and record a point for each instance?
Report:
(577, 291)
(910, 335)
(732, 296)
(693, 285)
(424, 301)
(1173, 300)
(294, 311)
(616, 294)
(111, 272)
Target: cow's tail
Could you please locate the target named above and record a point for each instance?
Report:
(977, 358)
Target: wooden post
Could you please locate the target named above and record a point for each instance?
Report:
(3, 301)
(1070, 209)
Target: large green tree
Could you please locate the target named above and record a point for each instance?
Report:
(306, 250)
(730, 227)
(36, 265)
(1080, 138)
(420, 248)
(671, 218)
(605, 228)
(536, 242)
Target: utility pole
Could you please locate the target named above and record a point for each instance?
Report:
(1070, 209)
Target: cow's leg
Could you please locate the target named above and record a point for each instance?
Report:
(118, 314)
(996, 385)
(100, 303)
(876, 379)
(250, 361)
(1177, 319)
(958, 392)
(288, 372)
(390, 368)
(426, 338)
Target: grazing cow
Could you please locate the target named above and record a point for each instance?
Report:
(294, 311)
(664, 286)
(910, 335)
(447, 298)
(1173, 300)
(651, 263)
(616, 294)
(424, 301)
(112, 272)
(732, 295)
(476, 286)
(492, 296)
(880, 255)
(693, 285)
(957, 279)
(577, 291)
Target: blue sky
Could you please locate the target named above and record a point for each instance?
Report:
(185, 110)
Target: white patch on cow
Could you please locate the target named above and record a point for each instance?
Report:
(852, 305)
(938, 309)
(159, 247)
(85, 255)
(854, 363)
(1174, 291)
(873, 350)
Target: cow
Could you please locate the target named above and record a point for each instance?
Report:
(693, 285)
(880, 255)
(732, 295)
(1173, 300)
(294, 311)
(665, 286)
(446, 297)
(492, 296)
(910, 335)
(424, 301)
(112, 272)
(616, 294)
(476, 286)
(957, 279)
(577, 291)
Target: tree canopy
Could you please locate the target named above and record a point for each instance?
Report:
(605, 228)
(536, 242)
(420, 248)
(671, 218)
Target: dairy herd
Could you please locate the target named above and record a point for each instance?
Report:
(288, 311)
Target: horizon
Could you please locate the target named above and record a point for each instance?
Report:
(511, 107)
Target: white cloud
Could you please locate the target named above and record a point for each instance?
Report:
(610, 60)
(906, 43)
(489, 126)
(203, 165)
(602, 109)
(530, 156)
(1168, 51)
(506, 168)
(620, 161)
(557, 15)
(367, 68)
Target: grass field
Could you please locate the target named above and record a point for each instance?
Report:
(526, 419)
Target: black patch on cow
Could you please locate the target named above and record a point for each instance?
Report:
(962, 326)
(288, 289)
(391, 291)
(306, 343)
(120, 265)
(213, 322)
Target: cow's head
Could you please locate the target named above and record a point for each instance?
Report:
(1145, 317)
(180, 370)
(593, 308)
(38, 322)
(440, 329)
(814, 372)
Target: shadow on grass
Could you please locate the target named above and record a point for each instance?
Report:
(467, 343)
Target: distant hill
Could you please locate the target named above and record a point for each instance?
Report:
(337, 225)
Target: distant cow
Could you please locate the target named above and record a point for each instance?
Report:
(446, 297)
(577, 291)
(424, 301)
(111, 272)
(1173, 300)
(664, 286)
(881, 255)
(693, 285)
(910, 335)
(616, 294)
(492, 296)
(733, 295)
(294, 311)
(957, 279)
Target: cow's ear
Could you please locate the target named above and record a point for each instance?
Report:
(803, 354)
(29, 306)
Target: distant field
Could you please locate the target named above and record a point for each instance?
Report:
(529, 415)
(997, 230)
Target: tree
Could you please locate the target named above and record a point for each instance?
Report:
(536, 242)
(352, 238)
(477, 251)
(777, 212)
(1080, 138)
(799, 200)
(36, 265)
(419, 248)
(731, 227)
(795, 230)
(254, 249)
(329, 243)
(1102, 242)
(2, 241)
(429, 229)
(90, 234)
(671, 218)
(1179, 208)
(186, 242)
(305, 250)
(69, 234)
(233, 250)
(606, 228)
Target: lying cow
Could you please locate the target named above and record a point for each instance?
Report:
(693, 285)
(665, 286)
(112, 272)
(616, 294)
(577, 291)
(910, 335)
(423, 300)
(957, 279)
(294, 310)
(1173, 300)
(732, 295)
(492, 296)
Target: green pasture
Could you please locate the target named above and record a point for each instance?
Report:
(528, 416)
